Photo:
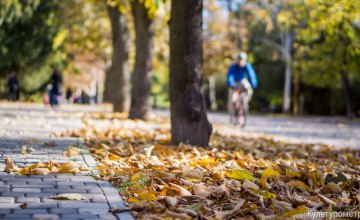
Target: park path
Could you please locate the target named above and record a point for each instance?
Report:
(332, 131)
(31, 125)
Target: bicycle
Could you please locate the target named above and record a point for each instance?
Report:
(239, 107)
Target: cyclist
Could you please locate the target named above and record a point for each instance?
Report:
(241, 77)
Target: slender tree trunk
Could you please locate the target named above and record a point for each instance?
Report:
(347, 93)
(296, 94)
(287, 88)
(117, 84)
(141, 86)
(212, 92)
(189, 123)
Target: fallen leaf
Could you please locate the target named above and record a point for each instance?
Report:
(249, 185)
(269, 173)
(67, 168)
(71, 152)
(146, 196)
(201, 190)
(68, 196)
(9, 165)
(182, 190)
(240, 175)
(297, 211)
(298, 184)
(24, 149)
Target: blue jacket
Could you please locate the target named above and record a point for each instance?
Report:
(237, 73)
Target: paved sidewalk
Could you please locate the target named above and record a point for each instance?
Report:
(26, 125)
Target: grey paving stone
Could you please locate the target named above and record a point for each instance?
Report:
(75, 204)
(63, 211)
(96, 211)
(9, 205)
(64, 190)
(30, 211)
(70, 183)
(26, 190)
(42, 205)
(33, 185)
(13, 194)
(28, 200)
(7, 199)
(96, 190)
(46, 216)
(17, 216)
(79, 216)
(5, 211)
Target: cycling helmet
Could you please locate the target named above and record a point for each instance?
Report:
(242, 56)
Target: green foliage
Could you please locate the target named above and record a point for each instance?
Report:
(27, 32)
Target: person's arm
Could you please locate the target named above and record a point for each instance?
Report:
(230, 78)
(252, 76)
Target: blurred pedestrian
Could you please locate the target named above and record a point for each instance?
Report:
(56, 90)
(69, 95)
(13, 87)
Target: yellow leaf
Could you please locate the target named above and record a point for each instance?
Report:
(137, 176)
(71, 152)
(291, 173)
(67, 168)
(240, 175)
(113, 157)
(23, 149)
(147, 196)
(9, 165)
(334, 187)
(267, 195)
(299, 210)
(133, 200)
(68, 196)
(269, 173)
(41, 171)
(207, 162)
(298, 184)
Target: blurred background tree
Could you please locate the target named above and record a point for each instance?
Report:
(305, 52)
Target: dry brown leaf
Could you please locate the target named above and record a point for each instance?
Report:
(249, 185)
(182, 190)
(9, 165)
(71, 152)
(201, 190)
(226, 214)
(68, 196)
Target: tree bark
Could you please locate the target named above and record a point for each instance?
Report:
(347, 93)
(296, 94)
(189, 123)
(117, 84)
(141, 86)
(287, 88)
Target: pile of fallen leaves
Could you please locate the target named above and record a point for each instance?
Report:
(235, 177)
(43, 168)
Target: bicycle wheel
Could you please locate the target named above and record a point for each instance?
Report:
(242, 112)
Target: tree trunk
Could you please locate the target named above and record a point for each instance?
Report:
(141, 86)
(189, 123)
(212, 92)
(117, 88)
(287, 88)
(347, 94)
(296, 94)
